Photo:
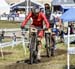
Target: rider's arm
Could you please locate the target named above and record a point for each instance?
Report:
(46, 21)
(26, 19)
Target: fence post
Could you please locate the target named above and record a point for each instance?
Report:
(1, 51)
(23, 42)
(1, 47)
(13, 40)
(68, 56)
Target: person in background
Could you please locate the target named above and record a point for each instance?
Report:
(71, 28)
(2, 34)
(14, 37)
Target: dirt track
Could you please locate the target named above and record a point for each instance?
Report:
(44, 64)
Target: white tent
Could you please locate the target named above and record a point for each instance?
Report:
(26, 4)
(4, 7)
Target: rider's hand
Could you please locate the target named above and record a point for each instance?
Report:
(22, 27)
(22, 30)
(45, 29)
(49, 30)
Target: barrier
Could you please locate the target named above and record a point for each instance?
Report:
(11, 30)
(7, 44)
(12, 44)
(72, 38)
(15, 42)
(71, 50)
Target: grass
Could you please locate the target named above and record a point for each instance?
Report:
(6, 39)
(72, 56)
(13, 54)
(17, 53)
(9, 24)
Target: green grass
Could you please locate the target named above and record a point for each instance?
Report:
(72, 59)
(6, 39)
(72, 56)
(9, 24)
(13, 54)
(17, 53)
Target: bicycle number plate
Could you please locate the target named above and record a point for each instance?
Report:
(33, 30)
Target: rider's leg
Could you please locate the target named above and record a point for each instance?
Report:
(40, 36)
(39, 48)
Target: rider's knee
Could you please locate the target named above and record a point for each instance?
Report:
(39, 38)
(39, 43)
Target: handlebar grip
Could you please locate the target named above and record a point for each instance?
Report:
(47, 30)
(22, 27)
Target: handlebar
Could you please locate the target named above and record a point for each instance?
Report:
(35, 29)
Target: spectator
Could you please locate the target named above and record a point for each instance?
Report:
(14, 37)
(2, 35)
(71, 28)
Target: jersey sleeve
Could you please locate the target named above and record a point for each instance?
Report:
(45, 19)
(26, 19)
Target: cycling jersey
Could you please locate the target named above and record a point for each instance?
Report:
(37, 21)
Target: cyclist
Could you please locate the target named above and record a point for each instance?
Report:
(38, 17)
(47, 11)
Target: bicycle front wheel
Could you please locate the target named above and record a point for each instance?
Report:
(32, 48)
(47, 38)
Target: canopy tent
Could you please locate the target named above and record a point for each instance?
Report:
(4, 7)
(23, 4)
(26, 4)
(63, 5)
(69, 15)
(60, 2)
